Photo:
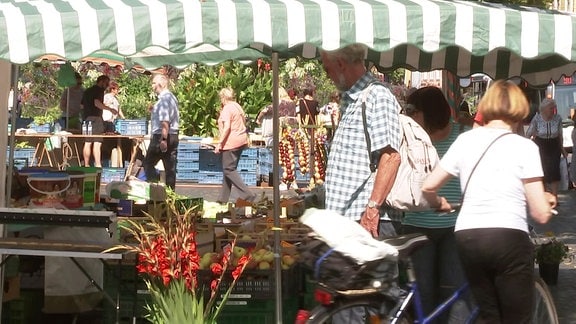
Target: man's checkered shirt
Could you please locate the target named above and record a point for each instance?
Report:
(349, 181)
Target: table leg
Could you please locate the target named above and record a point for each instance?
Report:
(136, 143)
(93, 282)
(119, 155)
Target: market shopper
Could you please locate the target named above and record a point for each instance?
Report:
(546, 131)
(92, 107)
(111, 100)
(286, 115)
(165, 128)
(71, 104)
(307, 107)
(437, 265)
(233, 140)
(501, 175)
(351, 188)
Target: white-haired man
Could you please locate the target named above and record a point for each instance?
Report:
(164, 119)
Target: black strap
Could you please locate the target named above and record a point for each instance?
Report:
(373, 164)
(477, 162)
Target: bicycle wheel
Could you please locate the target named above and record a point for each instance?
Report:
(544, 308)
(370, 306)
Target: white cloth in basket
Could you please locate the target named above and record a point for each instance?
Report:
(346, 236)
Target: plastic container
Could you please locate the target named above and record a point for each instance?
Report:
(73, 197)
(46, 189)
(91, 184)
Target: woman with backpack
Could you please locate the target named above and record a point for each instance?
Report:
(437, 265)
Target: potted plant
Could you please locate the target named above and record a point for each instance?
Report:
(548, 254)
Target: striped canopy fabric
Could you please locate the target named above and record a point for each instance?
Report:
(462, 37)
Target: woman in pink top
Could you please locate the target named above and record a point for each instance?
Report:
(233, 139)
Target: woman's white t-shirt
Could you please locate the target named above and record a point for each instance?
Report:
(495, 197)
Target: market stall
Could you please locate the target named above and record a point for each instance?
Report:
(461, 37)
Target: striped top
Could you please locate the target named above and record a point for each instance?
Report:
(451, 191)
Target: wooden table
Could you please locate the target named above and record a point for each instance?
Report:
(72, 147)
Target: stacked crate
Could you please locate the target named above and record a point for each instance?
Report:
(188, 162)
(210, 167)
(248, 165)
(266, 161)
(252, 298)
(124, 282)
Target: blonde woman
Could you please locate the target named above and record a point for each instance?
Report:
(501, 174)
(233, 139)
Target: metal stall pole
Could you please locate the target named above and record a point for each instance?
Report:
(6, 192)
(276, 189)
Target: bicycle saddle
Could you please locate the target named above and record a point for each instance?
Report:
(407, 244)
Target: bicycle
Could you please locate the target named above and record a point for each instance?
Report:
(385, 305)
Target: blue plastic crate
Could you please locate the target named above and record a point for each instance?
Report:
(182, 145)
(188, 164)
(249, 178)
(210, 161)
(113, 174)
(187, 175)
(188, 154)
(44, 128)
(20, 163)
(23, 154)
(247, 164)
(250, 153)
(132, 126)
(302, 177)
(210, 177)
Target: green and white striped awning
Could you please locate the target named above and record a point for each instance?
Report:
(463, 37)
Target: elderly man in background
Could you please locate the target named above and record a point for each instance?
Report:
(165, 119)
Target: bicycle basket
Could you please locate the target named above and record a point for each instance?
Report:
(340, 272)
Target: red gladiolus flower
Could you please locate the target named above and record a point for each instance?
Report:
(267, 67)
(226, 255)
(216, 269)
(240, 267)
(214, 285)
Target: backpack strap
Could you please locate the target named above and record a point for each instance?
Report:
(365, 92)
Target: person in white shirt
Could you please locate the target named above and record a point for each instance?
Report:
(501, 174)
(111, 100)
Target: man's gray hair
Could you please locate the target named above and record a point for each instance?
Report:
(546, 103)
(355, 53)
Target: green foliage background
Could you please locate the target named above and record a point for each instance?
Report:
(196, 88)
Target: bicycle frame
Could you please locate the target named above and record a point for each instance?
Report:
(413, 297)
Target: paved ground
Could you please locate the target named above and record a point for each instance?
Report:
(563, 225)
